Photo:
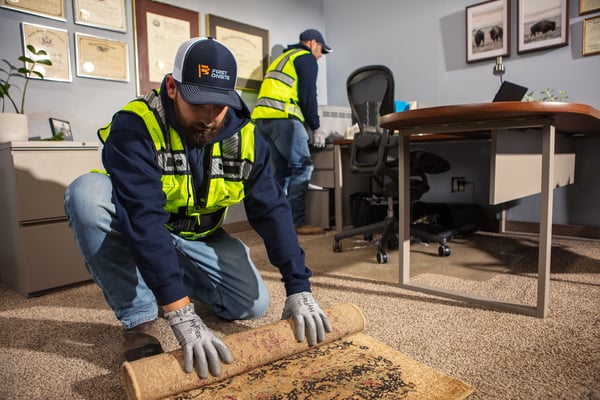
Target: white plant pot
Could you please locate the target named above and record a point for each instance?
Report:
(13, 127)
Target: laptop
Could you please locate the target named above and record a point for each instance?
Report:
(510, 92)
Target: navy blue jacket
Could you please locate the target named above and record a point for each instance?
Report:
(129, 157)
(307, 70)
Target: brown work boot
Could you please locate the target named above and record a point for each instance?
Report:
(141, 341)
(309, 230)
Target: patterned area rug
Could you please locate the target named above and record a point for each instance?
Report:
(270, 364)
(356, 367)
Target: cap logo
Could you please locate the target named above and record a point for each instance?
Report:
(203, 69)
(220, 74)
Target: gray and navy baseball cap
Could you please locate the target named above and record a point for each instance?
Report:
(206, 72)
(311, 34)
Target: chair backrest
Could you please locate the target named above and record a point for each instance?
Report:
(370, 94)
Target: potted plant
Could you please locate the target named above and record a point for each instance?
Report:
(13, 121)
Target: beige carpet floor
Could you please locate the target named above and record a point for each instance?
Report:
(66, 345)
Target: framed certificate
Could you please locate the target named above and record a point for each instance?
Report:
(56, 43)
(591, 36)
(159, 31)
(44, 8)
(101, 58)
(249, 44)
(105, 14)
(588, 6)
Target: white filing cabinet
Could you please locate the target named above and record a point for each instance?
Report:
(37, 249)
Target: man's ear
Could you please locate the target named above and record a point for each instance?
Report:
(171, 86)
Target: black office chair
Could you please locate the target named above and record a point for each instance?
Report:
(374, 152)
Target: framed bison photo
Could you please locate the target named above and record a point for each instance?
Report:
(542, 24)
(488, 30)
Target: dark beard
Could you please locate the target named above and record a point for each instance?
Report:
(196, 135)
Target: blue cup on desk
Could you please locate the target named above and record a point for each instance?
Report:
(400, 105)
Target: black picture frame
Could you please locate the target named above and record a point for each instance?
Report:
(487, 30)
(145, 44)
(62, 128)
(542, 25)
(249, 44)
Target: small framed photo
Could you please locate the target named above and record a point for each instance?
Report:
(542, 24)
(488, 30)
(588, 6)
(60, 129)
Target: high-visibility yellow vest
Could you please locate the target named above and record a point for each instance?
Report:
(278, 95)
(230, 163)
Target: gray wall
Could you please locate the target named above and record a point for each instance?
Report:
(90, 103)
(423, 42)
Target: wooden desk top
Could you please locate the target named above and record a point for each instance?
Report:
(568, 117)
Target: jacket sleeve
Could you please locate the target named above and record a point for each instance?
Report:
(129, 157)
(307, 70)
(269, 214)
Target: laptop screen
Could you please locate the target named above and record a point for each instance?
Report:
(510, 92)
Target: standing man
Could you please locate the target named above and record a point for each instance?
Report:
(287, 103)
(149, 229)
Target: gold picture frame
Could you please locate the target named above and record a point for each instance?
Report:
(248, 43)
(154, 41)
(588, 6)
(54, 9)
(101, 58)
(591, 36)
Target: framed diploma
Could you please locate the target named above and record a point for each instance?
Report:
(105, 14)
(56, 43)
(591, 36)
(44, 8)
(101, 58)
(588, 6)
(159, 31)
(249, 44)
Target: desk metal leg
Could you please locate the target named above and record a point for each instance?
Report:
(404, 211)
(338, 187)
(545, 246)
(545, 234)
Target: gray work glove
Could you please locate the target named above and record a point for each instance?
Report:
(197, 341)
(318, 139)
(308, 317)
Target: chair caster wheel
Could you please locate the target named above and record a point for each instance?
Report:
(444, 251)
(382, 257)
(337, 247)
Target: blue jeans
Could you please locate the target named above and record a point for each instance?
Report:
(292, 162)
(218, 270)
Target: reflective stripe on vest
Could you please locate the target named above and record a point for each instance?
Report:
(231, 163)
(278, 95)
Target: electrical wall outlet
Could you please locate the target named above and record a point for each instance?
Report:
(457, 184)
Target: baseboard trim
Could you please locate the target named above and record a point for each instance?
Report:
(579, 231)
